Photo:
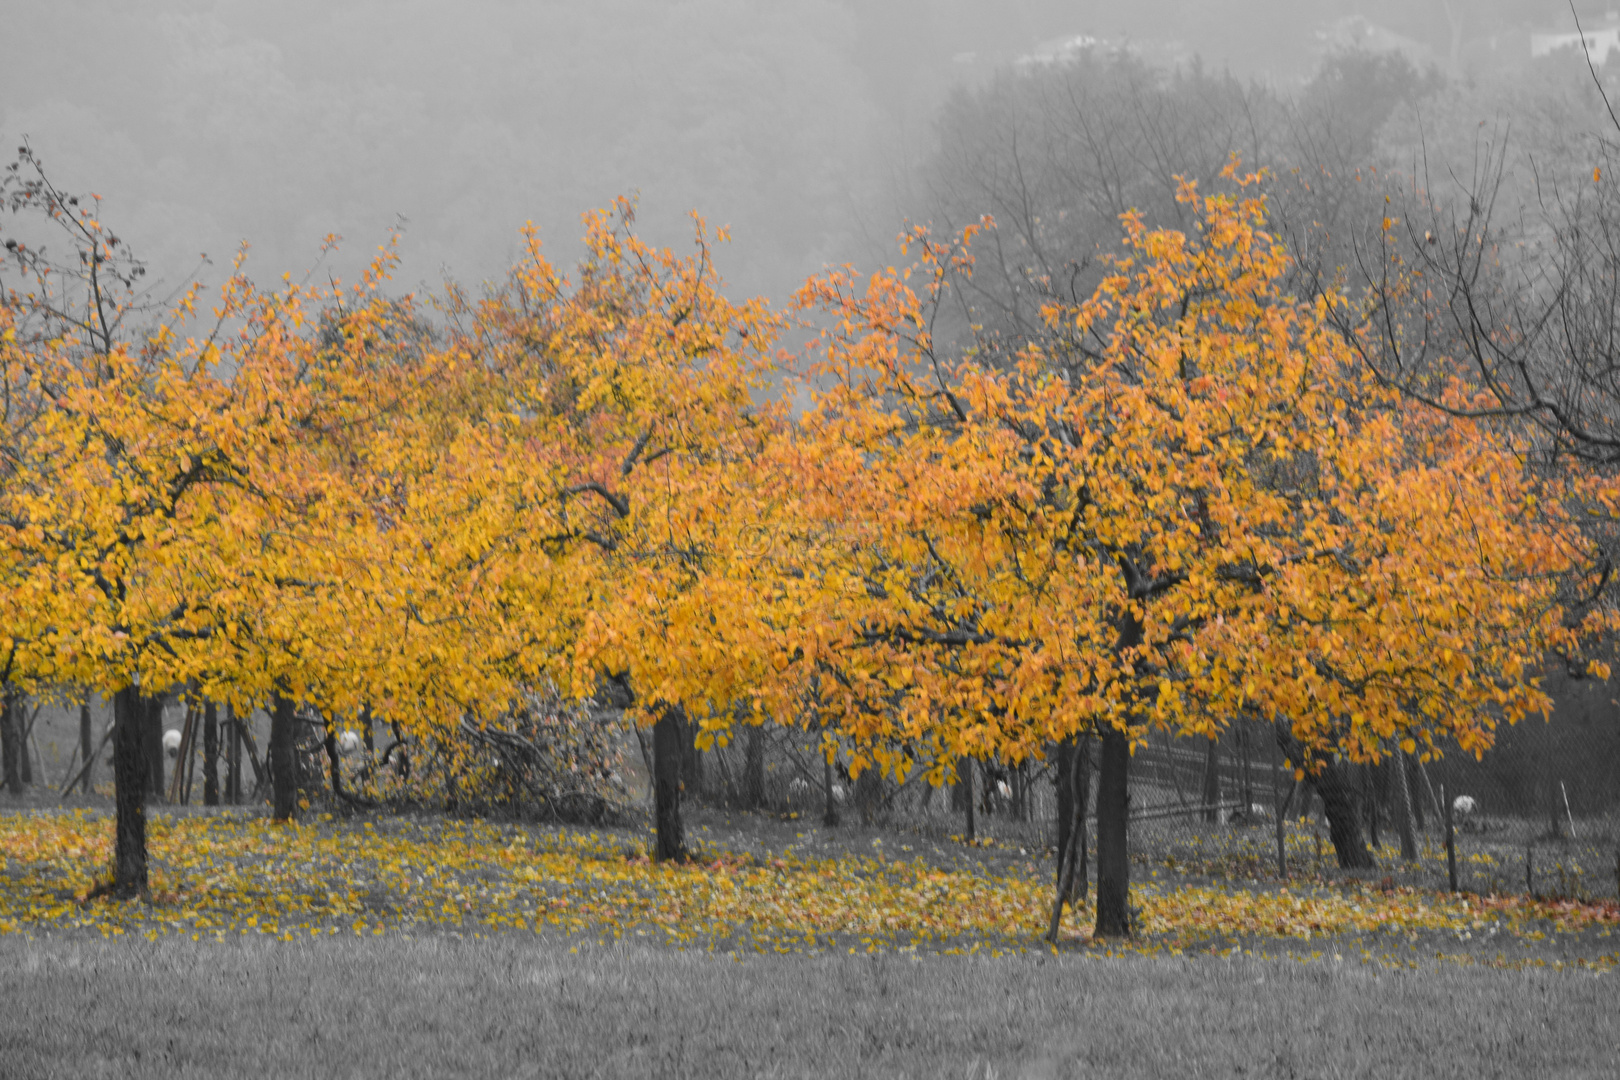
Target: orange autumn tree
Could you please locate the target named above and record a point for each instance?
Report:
(1186, 505)
(181, 512)
(584, 521)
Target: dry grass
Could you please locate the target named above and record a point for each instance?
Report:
(518, 1006)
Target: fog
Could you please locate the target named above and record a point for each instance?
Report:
(802, 126)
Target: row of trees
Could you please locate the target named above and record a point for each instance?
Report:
(1179, 498)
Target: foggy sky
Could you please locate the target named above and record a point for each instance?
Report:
(204, 124)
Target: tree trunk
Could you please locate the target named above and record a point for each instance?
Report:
(233, 757)
(964, 784)
(152, 743)
(1071, 879)
(869, 794)
(131, 769)
(670, 745)
(11, 739)
(210, 754)
(1082, 798)
(24, 730)
(1212, 782)
(1063, 778)
(1403, 808)
(283, 758)
(829, 816)
(1113, 856)
(86, 750)
(1332, 786)
(754, 769)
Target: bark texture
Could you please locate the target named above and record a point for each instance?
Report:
(283, 758)
(131, 716)
(1113, 856)
(1063, 783)
(1403, 808)
(669, 754)
(964, 791)
(1331, 783)
(87, 750)
(210, 754)
(11, 740)
(233, 757)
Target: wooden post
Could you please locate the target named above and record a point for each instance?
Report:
(1451, 841)
(1529, 869)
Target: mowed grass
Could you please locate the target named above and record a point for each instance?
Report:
(526, 1006)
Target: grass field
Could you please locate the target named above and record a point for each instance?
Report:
(435, 1006)
(434, 946)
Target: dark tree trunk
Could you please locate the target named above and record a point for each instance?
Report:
(964, 784)
(829, 816)
(1113, 855)
(869, 794)
(210, 754)
(86, 750)
(1082, 798)
(367, 773)
(283, 758)
(131, 766)
(669, 755)
(1063, 783)
(233, 757)
(152, 742)
(1212, 782)
(1332, 786)
(25, 731)
(1074, 779)
(11, 739)
(1403, 808)
(754, 769)
(1377, 813)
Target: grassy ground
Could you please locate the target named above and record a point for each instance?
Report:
(435, 1006)
(425, 945)
(757, 884)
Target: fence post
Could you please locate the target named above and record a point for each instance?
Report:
(1529, 868)
(1451, 841)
